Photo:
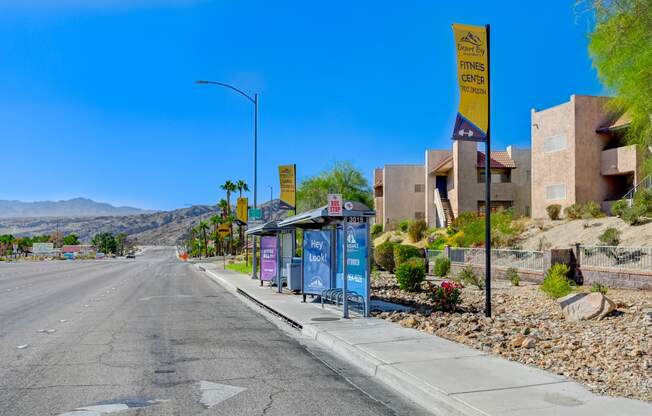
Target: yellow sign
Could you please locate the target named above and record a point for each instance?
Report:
(473, 78)
(288, 178)
(242, 210)
(223, 230)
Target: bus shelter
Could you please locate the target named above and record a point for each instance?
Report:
(277, 248)
(324, 238)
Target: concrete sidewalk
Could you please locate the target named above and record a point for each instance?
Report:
(444, 377)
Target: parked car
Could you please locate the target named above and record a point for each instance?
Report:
(131, 255)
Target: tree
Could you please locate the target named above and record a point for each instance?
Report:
(621, 49)
(71, 240)
(228, 187)
(343, 178)
(105, 243)
(215, 221)
(223, 206)
(242, 187)
(121, 242)
(203, 228)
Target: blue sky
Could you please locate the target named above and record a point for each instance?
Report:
(98, 98)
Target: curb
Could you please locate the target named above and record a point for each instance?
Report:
(421, 393)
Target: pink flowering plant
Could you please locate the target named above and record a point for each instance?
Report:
(447, 295)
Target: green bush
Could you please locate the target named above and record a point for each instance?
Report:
(467, 230)
(587, 210)
(403, 252)
(553, 211)
(410, 274)
(618, 208)
(468, 276)
(610, 237)
(438, 243)
(573, 212)
(599, 288)
(641, 210)
(442, 265)
(511, 274)
(384, 256)
(417, 229)
(404, 225)
(635, 215)
(376, 230)
(556, 283)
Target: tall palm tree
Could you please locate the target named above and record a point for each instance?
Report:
(203, 228)
(228, 187)
(215, 221)
(242, 186)
(223, 205)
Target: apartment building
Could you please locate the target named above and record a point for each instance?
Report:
(579, 155)
(451, 182)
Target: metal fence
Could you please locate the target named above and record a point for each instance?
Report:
(519, 259)
(432, 254)
(612, 257)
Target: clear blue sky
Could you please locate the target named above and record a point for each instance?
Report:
(98, 97)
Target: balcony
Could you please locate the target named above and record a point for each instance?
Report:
(618, 161)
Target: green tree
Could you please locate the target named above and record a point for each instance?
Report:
(105, 243)
(621, 48)
(343, 178)
(215, 221)
(228, 187)
(71, 240)
(242, 186)
(121, 242)
(203, 228)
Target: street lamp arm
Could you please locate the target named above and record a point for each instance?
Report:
(227, 86)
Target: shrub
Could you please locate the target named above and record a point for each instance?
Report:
(442, 265)
(403, 252)
(376, 230)
(635, 215)
(384, 256)
(600, 288)
(468, 276)
(467, 230)
(417, 229)
(577, 211)
(553, 211)
(403, 225)
(618, 208)
(375, 274)
(573, 212)
(610, 237)
(512, 275)
(446, 296)
(641, 209)
(438, 243)
(410, 274)
(555, 283)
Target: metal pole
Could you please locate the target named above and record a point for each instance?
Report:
(345, 277)
(254, 261)
(487, 180)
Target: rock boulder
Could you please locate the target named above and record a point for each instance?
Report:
(583, 306)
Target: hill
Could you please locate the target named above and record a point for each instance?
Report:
(76, 207)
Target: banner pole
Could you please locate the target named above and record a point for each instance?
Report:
(345, 277)
(487, 179)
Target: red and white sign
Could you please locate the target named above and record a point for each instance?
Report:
(335, 205)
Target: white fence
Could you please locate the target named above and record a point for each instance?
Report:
(612, 257)
(519, 259)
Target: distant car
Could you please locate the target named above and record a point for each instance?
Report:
(100, 255)
(131, 255)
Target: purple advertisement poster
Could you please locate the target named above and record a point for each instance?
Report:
(268, 257)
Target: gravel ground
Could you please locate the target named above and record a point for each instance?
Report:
(612, 356)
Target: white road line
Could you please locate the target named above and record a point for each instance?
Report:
(214, 393)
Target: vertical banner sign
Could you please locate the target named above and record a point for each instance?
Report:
(242, 210)
(472, 120)
(268, 258)
(316, 261)
(287, 176)
(357, 258)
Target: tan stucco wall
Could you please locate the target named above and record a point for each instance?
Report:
(400, 201)
(433, 158)
(521, 179)
(465, 190)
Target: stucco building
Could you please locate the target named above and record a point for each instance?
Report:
(579, 155)
(451, 182)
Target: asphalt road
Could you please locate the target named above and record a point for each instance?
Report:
(153, 336)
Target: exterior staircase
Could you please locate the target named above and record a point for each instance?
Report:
(448, 211)
(444, 210)
(646, 183)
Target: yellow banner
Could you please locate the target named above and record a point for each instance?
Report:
(288, 178)
(473, 78)
(242, 210)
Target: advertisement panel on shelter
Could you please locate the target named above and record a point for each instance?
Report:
(357, 258)
(268, 258)
(288, 181)
(316, 261)
(242, 210)
(473, 78)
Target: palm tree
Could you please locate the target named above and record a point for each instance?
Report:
(242, 187)
(202, 227)
(215, 221)
(223, 205)
(228, 187)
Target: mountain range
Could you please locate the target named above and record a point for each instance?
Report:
(76, 207)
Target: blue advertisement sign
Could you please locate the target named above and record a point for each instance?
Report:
(316, 261)
(357, 259)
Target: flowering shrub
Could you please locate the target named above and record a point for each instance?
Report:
(446, 296)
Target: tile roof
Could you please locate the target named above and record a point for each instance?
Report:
(498, 160)
(616, 123)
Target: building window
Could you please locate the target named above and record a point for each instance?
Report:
(554, 143)
(497, 175)
(378, 192)
(419, 187)
(556, 192)
(419, 215)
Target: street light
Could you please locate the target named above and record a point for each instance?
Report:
(254, 100)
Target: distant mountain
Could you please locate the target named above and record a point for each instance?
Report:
(77, 207)
(157, 228)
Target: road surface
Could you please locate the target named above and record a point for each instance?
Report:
(153, 336)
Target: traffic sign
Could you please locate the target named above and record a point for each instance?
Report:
(255, 213)
(335, 205)
(223, 230)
